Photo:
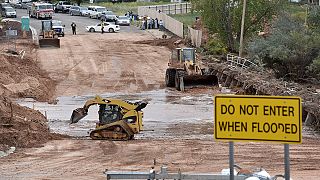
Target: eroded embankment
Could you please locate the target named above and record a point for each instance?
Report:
(20, 76)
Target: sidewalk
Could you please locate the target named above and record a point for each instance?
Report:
(156, 33)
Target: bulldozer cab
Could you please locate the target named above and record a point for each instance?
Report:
(187, 54)
(182, 55)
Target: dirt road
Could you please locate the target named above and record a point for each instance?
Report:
(114, 64)
(98, 63)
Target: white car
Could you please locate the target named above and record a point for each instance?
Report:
(108, 27)
(9, 12)
(123, 20)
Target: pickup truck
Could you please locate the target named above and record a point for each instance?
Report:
(62, 6)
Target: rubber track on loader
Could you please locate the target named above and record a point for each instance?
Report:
(108, 132)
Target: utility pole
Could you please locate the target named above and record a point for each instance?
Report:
(242, 27)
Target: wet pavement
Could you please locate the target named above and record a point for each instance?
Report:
(166, 109)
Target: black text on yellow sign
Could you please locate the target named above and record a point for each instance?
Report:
(258, 118)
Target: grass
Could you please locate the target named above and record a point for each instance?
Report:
(122, 8)
(187, 19)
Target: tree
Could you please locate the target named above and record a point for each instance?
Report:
(224, 17)
(291, 50)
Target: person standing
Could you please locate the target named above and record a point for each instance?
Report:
(73, 27)
(161, 25)
(102, 27)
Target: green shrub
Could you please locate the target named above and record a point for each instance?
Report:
(289, 50)
(216, 46)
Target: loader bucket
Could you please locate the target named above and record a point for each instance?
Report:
(49, 42)
(77, 115)
(196, 80)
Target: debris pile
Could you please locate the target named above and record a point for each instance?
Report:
(22, 77)
(265, 83)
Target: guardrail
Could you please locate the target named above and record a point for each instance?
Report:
(178, 8)
(163, 174)
(236, 61)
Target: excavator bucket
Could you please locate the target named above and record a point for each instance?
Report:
(197, 80)
(77, 115)
(49, 42)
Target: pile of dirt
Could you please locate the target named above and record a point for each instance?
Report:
(22, 77)
(170, 43)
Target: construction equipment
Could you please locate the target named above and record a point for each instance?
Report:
(48, 37)
(118, 119)
(185, 70)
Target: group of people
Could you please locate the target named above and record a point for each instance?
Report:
(150, 23)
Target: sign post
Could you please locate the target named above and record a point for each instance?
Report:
(258, 118)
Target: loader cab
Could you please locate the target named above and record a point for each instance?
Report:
(187, 54)
(181, 55)
(109, 113)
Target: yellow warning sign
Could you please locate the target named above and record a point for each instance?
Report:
(258, 118)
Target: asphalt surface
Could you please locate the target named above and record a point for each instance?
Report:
(67, 19)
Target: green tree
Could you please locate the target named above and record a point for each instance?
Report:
(223, 17)
(291, 50)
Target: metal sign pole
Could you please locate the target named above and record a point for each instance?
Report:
(286, 162)
(231, 160)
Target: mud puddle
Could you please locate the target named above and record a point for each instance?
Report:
(168, 115)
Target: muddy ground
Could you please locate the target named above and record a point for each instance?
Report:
(180, 133)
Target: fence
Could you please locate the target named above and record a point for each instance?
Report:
(178, 8)
(170, 23)
(195, 36)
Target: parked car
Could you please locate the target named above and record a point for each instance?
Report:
(108, 16)
(123, 20)
(9, 12)
(108, 27)
(17, 5)
(97, 11)
(63, 6)
(2, 6)
(78, 11)
(58, 27)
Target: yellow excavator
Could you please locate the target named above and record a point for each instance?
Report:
(186, 70)
(118, 119)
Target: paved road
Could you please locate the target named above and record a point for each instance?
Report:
(66, 19)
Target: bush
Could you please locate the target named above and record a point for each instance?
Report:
(216, 47)
(290, 49)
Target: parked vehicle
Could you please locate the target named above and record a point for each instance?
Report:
(123, 20)
(9, 12)
(2, 6)
(97, 11)
(41, 10)
(58, 27)
(108, 27)
(63, 6)
(17, 5)
(109, 16)
(78, 11)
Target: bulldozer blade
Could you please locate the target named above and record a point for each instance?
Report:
(195, 80)
(49, 42)
(77, 115)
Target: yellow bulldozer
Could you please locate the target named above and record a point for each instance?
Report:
(186, 70)
(118, 119)
(48, 37)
